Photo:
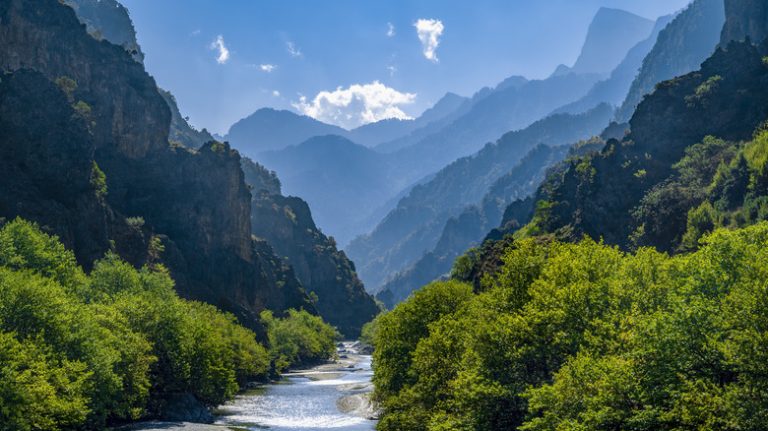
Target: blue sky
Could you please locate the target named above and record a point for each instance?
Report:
(225, 59)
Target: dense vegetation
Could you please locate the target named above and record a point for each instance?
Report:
(81, 350)
(585, 337)
(299, 339)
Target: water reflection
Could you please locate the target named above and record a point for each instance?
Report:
(306, 401)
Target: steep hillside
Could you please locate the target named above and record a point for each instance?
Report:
(680, 48)
(414, 227)
(621, 195)
(341, 181)
(747, 19)
(493, 113)
(154, 191)
(323, 270)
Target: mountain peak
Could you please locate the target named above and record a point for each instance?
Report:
(612, 33)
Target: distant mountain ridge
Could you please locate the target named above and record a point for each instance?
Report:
(611, 34)
(415, 225)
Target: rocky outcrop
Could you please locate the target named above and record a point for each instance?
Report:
(286, 223)
(747, 19)
(109, 20)
(196, 202)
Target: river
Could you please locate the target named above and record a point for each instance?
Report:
(333, 397)
(328, 397)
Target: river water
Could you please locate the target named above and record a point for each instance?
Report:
(329, 397)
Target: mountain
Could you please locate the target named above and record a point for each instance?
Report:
(324, 271)
(747, 19)
(680, 48)
(89, 159)
(382, 133)
(611, 34)
(614, 89)
(446, 109)
(270, 130)
(340, 180)
(509, 204)
(109, 20)
(642, 190)
(489, 115)
(415, 225)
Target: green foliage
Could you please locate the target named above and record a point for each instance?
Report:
(704, 90)
(585, 337)
(80, 351)
(299, 339)
(368, 332)
(67, 85)
(98, 181)
(83, 110)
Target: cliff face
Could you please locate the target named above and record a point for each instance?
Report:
(196, 202)
(746, 19)
(46, 154)
(108, 19)
(286, 223)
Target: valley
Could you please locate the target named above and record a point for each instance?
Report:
(396, 217)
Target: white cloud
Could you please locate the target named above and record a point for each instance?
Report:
(195, 32)
(218, 45)
(293, 50)
(267, 67)
(275, 93)
(429, 32)
(392, 70)
(356, 105)
(390, 30)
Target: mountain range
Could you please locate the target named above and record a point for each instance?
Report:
(137, 180)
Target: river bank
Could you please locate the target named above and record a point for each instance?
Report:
(335, 396)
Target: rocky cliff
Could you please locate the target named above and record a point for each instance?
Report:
(747, 19)
(195, 202)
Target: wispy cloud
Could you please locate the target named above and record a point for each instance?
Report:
(429, 32)
(221, 47)
(275, 93)
(293, 50)
(390, 30)
(269, 68)
(356, 105)
(195, 32)
(392, 70)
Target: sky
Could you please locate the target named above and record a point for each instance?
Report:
(350, 62)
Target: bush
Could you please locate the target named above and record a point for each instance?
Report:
(299, 339)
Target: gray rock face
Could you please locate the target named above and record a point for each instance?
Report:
(745, 19)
